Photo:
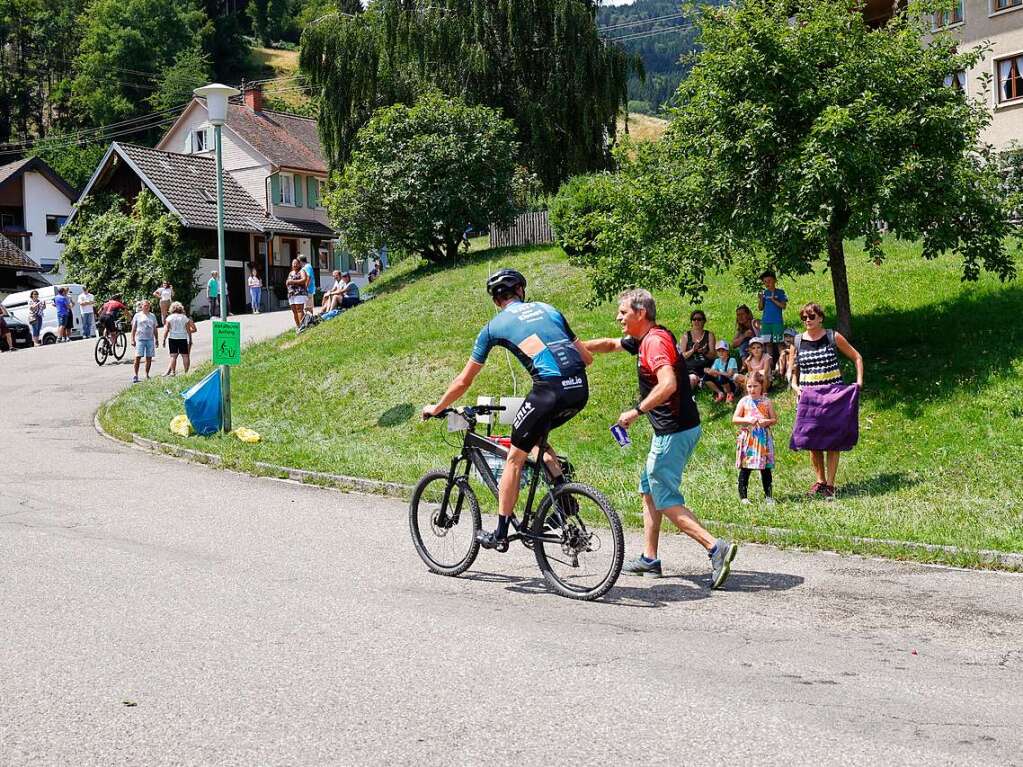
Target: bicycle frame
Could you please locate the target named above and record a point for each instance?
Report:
(471, 456)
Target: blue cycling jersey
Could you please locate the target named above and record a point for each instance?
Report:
(538, 335)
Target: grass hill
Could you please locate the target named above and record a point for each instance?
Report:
(942, 420)
(284, 95)
(643, 127)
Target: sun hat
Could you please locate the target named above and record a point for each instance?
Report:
(790, 332)
(762, 340)
(722, 345)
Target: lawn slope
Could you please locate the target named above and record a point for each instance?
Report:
(938, 460)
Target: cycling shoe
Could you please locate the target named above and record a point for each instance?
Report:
(489, 540)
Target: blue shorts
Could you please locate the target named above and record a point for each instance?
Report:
(145, 347)
(661, 478)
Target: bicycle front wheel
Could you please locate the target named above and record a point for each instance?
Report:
(102, 350)
(444, 518)
(580, 545)
(120, 346)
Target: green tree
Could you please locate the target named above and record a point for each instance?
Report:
(74, 163)
(271, 19)
(224, 43)
(126, 44)
(541, 62)
(799, 127)
(37, 41)
(190, 70)
(419, 175)
(114, 248)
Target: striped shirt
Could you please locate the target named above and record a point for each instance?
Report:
(818, 361)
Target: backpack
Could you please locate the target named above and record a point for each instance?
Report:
(830, 336)
(308, 321)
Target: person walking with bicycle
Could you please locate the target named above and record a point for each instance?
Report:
(541, 339)
(666, 399)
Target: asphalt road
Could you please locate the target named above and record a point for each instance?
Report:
(154, 612)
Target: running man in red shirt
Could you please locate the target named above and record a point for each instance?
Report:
(667, 400)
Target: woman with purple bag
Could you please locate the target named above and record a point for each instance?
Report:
(827, 413)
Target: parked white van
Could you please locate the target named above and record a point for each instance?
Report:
(17, 304)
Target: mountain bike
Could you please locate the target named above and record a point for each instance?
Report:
(574, 532)
(104, 348)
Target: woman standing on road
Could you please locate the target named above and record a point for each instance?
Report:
(827, 412)
(178, 328)
(165, 294)
(255, 291)
(298, 290)
(35, 315)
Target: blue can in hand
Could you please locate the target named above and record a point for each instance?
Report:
(621, 435)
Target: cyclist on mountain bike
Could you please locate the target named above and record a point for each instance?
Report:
(108, 315)
(540, 337)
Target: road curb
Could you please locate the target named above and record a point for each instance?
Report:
(1000, 559)
(319, 478)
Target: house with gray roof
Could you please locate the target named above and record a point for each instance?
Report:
(35, 201)
(275, 173)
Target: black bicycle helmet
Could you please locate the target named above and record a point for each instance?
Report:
(505, 281)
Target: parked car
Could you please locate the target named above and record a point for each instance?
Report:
(21, 333)
(17, 304)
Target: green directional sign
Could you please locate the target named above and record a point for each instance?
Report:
(227, 343)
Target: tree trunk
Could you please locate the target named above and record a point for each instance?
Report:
(840, 283)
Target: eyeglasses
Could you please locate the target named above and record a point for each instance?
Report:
(805, 317)
(697, 319)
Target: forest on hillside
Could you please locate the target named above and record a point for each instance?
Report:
(660, 33)
(77, 74)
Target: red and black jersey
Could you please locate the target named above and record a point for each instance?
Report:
(655, 350)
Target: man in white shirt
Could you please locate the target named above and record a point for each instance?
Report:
(86, 301)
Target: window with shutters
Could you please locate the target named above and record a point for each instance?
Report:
(202, 140)
(321, 189)
(287, 189)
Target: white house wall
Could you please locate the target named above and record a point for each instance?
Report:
(43, 199)
(247, 166)
(253, 181)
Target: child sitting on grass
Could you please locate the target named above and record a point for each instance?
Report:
(786, 355)
(720, 377)
(758, 361)
(754, 446)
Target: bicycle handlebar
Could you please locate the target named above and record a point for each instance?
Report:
(470, 411)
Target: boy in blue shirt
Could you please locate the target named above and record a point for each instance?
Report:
(772, 301)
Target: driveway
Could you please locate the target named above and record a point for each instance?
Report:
(155, 612)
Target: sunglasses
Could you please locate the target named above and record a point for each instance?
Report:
(697, 319)
(806, 317)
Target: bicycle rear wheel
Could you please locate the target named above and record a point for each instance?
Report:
(120, 346)
(444, 518)
(581, 544)
(102, 350)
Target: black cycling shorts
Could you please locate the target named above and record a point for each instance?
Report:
(551, 403)
(107, 321)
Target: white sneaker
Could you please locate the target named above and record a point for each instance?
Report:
(745, 501)
(769, 501)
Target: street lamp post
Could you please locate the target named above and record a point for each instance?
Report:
(216, 96)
